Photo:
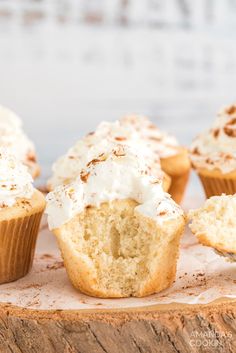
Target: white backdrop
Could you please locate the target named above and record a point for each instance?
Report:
(67, 65)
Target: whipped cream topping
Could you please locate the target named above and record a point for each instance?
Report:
(15, 181)
(13, 138)
(16, 142)
(138, 132)
(161, 143)
(9, 119)
(216, 148)
(119, 174)
(104, 139)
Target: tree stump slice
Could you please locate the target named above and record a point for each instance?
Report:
(43, 313)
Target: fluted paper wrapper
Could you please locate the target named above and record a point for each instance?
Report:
(178, 186)
(217, 186)
(17, 246)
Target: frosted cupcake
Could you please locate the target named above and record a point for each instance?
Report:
(103, 139)
(117, 229)
(21, 209)
(174, 158)
(15, 140)
(213, 155)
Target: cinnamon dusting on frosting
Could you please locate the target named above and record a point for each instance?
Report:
(101, 158)
(231, 109)
(15, 181)
(216, 133)
(134, 131)
(216, 148)
(13, 137)
(119, 152)
(84, 176)
(120, 176)
(230, 129)
(120, 138)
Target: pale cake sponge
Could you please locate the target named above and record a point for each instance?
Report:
(214, 224)
(117, 229)
(114, 251)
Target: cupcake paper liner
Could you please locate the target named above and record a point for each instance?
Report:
(178, 186)
(17, 246)
(217, 186)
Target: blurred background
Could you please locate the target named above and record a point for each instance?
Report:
(65, 65)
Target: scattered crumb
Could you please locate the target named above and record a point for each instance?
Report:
(46, 256)
(56, 265)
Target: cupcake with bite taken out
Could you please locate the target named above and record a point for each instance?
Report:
(118, 231)
(213, 155)
(21, 209)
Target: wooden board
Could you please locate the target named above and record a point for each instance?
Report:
(44, 313)
(167, 328)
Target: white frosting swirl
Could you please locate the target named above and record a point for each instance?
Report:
(161, 143)
(117, 175)
(15, 181)
(13, 137)
(17, 143)
(104, 139)
(216, 148)
(9, 119)
(135, 131)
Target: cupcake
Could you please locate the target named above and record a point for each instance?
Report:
(213, 155)
(15, 140)
(118, 231)
(173, 157)
(21, 209)
(104, 138)
(214, 224)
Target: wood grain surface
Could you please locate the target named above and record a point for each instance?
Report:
(171, 328)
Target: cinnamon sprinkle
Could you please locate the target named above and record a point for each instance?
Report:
(31, 157)
(196, 151)
(229, 128)
(162, 213)
(84, 176)
(101, 158)
(152, 127)
(120, 138)
(231, 110)
(155, 138)
(231, 132)
(119, 153)
(232, 122)
(216, 133)
(94, 161)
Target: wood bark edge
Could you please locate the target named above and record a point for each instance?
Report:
(172, 328)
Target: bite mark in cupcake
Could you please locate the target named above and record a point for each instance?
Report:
(126, 213)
